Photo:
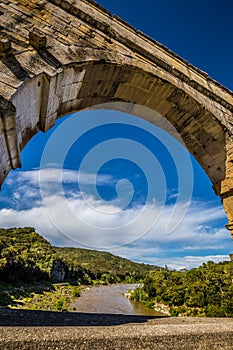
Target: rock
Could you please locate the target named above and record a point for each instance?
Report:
(165, 309)
(58, 271)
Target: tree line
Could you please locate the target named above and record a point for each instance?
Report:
(203, 291)
(25, 256)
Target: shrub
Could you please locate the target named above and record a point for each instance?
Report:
(59, 305)
(76, 292)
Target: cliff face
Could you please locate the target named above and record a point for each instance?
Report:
(58, 271)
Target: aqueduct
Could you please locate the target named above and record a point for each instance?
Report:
(60, 56)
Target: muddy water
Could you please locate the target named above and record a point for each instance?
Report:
(110, 300)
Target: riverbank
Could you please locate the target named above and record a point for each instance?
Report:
(66, 297)
(130, 333)
(110, 300)
(39, 296)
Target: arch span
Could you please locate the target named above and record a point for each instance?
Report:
(66, 56)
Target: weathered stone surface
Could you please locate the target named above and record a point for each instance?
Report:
(58, 57)
(80, 331)
(58, 271)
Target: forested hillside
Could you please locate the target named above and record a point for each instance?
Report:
(28, 258)
(25, 256)
(103, 265)
(203, 291)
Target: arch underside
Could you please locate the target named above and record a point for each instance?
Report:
(136, 91)
(81, 86)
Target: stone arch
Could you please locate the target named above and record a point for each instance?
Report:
(81, 86)
(40, 101)
(45, 74)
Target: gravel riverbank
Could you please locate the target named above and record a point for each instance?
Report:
(29, 330)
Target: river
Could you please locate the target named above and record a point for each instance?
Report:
(110, 300)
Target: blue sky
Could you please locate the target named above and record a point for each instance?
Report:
(123, 187)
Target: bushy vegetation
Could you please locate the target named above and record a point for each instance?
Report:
(25, 256)
(90, 266)
(203, 291)
(29, 263)
(58, 298)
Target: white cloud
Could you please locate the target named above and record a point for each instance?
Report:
(94, 223)
(160, 256)
(188, 262)
(55, 175)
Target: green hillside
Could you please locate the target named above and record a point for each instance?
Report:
(98, 263)
(25, 256)
(203, 291)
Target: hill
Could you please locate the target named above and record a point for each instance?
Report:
(99, 263)
(25, 256)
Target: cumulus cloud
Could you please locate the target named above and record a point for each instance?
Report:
(139, 232)
(54, 175)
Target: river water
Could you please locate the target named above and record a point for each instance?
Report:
(110, 300)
